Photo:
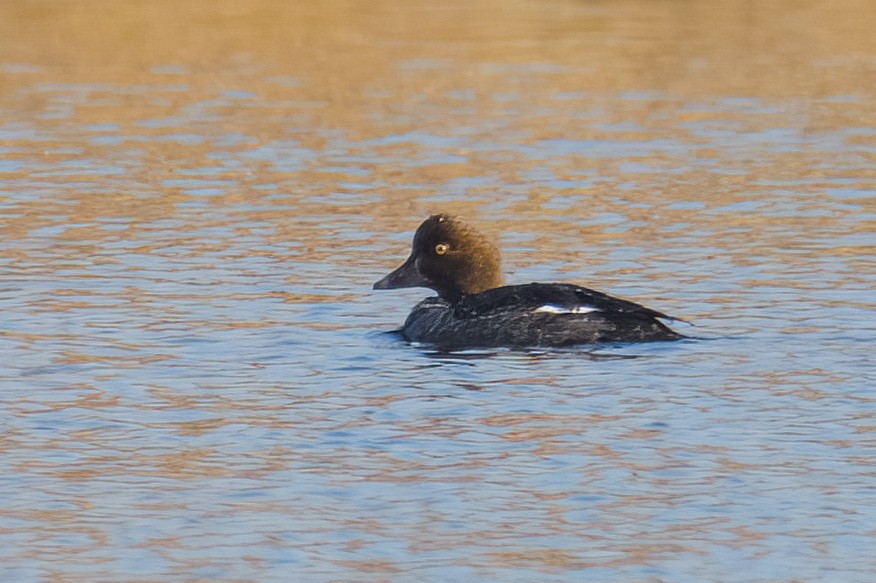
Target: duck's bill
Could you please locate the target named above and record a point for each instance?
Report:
(408, 275)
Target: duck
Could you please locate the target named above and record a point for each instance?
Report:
(474, 309)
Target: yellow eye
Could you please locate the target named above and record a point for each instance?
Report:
(442, 248)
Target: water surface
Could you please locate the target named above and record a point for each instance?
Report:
(197, 379)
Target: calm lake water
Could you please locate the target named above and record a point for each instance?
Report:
(197, 382)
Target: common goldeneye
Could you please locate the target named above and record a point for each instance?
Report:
(474, 309)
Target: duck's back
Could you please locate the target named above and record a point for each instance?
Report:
(534, 314)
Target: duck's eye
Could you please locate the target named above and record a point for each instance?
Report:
(441, 248)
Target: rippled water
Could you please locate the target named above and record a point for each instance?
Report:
(197, 380)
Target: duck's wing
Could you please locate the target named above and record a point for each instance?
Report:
(556, 298)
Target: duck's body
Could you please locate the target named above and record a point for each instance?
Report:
(473, 309)
(535, 314)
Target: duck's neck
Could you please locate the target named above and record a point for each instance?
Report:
(451, 294)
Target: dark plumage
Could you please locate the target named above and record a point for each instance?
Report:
(474, 309)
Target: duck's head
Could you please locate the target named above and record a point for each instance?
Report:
(449, 257)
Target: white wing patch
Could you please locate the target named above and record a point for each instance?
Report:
(551, 309)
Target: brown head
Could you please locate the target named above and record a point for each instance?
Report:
(449, 257)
